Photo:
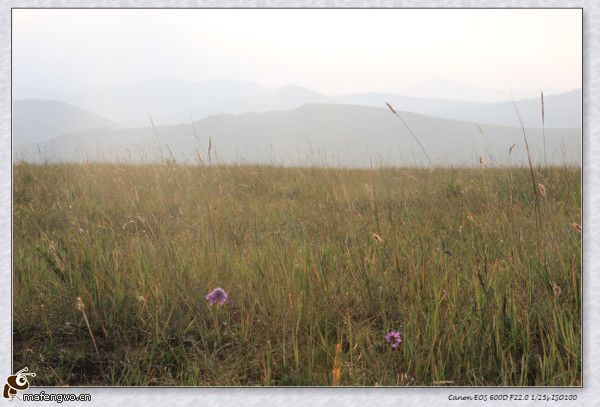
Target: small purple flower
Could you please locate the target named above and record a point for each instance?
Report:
(393, 338)
(217, 295)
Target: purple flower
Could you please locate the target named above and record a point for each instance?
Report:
(217, 295)
(393, 338)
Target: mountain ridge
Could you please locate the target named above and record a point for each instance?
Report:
(35, 120)
(334, 133)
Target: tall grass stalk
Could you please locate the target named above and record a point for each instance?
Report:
(411, 133)
(533, 181)
(544, 128)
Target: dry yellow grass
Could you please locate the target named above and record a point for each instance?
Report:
(481, 293)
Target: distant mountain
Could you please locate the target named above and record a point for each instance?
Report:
(447, 89)
(170, 101)
(331, 134)
(282, 98)
(36, 120)
(426, 106)
(560, 111)
(167, 101)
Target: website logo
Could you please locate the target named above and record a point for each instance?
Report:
(17, 382)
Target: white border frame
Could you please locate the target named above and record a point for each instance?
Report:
(587, 395)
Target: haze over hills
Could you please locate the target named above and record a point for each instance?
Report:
(448, 89)
(332, 134)
(426, 106)
(174, 101)
(282, 98)
(170, 101)
(560, 111)
(36, 120)
(288, 124)
(167, 101)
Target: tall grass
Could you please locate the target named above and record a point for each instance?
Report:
(455, 268)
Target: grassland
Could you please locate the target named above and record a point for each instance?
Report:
(478, 270)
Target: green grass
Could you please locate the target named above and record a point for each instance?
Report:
(293, 247)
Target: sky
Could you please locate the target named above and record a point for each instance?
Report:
(333, 51)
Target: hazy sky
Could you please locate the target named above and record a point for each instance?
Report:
(331, 51)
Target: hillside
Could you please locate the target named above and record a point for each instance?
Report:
(426, 106)
(36, 120)
(282, 98)
(561, 110)
(330, 134)
(170, 101)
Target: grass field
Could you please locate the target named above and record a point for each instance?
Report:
(478, 270)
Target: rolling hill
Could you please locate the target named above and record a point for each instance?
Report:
(36, 120)
(426, 106)
(561, 110)
(170, 101)
(330, 134)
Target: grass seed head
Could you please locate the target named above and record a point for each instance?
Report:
(391, 108)
(80, 304)
(557, 291)
(377, 238)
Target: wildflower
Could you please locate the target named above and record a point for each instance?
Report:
(393, 338)
(217, 295)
